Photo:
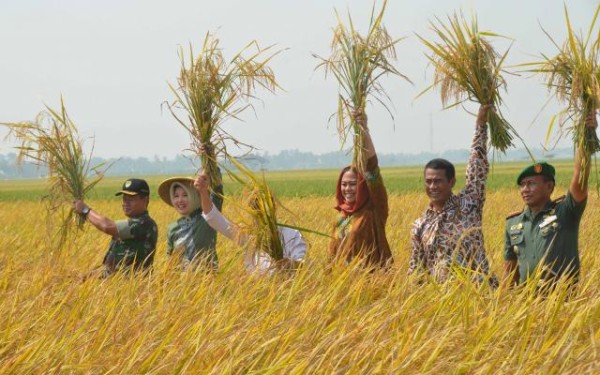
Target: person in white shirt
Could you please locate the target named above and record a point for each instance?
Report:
(294, 246)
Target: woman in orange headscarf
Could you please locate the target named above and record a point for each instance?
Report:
(362, 202)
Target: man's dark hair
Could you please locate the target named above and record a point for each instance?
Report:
(550, 179)
(444, 164)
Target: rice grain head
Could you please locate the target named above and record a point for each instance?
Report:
(211, 90)
(467, 68)
(358, 63)
(573, 77)
(52, 141)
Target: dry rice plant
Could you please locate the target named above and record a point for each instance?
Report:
(211, 90)
(467, 68)
(573, 77)
(261, 228)
(261, 224)
(358, 62)
(52, 141)
(344, 320)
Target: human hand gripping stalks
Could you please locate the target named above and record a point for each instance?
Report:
(467, 68)
(211, 90)
(573, 77)
(52, 140)
(358, 63)
(259, 230)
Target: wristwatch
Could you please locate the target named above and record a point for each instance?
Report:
(85, 211)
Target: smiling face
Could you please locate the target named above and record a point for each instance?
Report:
(348, 186)
(181, 201)
(438, 187)
(536, 191)
(134, 205)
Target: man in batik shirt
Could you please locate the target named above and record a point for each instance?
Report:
(449, 232)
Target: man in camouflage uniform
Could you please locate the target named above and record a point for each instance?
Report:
(134, 239)
(545, 234)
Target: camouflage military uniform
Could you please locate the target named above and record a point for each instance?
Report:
(549, 237)
(135, 246)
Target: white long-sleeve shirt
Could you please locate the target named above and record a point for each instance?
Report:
(294, 246)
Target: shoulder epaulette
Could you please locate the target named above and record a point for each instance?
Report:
(559, 199)
(516, 213)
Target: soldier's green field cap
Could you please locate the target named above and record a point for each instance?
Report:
(537, 169)
(135, 186)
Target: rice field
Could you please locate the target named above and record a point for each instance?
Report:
(320, 320)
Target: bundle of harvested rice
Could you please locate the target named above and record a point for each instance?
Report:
(573, 77)
(467, 68)
(260, 226)
(358, 62)
(211, 90)
(52, 141)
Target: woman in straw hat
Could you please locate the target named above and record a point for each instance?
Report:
(190, 237)
(362, 202)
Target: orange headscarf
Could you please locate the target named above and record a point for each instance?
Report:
(362, 193)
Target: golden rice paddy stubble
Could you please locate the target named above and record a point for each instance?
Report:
(318, 321)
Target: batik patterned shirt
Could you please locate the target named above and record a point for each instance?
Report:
(454, 235)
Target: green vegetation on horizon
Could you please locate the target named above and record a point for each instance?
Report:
(301, 183)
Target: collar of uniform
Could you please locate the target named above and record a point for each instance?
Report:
(145, 213)
(194, 214)
(549, 205)
(451, 203)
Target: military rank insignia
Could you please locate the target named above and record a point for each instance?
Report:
(548, 219)
(516, 232)
(516, 227)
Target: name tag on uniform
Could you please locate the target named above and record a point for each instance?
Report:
(548, 220)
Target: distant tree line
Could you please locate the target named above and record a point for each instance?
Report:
(284, 160)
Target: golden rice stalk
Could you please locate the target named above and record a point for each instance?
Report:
(262, 227)
(52, 140)
(261, 224)
(358, 62)
(573, 76)
(211, 90)
(467, 68)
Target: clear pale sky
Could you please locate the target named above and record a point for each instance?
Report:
(111, 60)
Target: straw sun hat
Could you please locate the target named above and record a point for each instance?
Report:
(164, 189)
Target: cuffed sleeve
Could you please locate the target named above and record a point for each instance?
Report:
(574, 208)
(294, 246)
(124, 229)
(220, 223)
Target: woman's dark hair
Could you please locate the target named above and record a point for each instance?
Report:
(444, 164)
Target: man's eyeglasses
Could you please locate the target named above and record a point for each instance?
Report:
(528, 184)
